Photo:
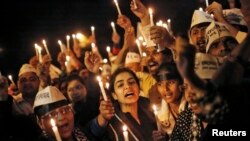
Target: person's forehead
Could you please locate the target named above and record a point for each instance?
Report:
(27, 75)
(123, 76)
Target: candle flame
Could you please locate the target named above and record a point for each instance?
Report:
(169, 20)
(124, 128)
(112, 24)
(108, 49)
(52, 122)
(59, 42)
(201, 9)
(107, 85)
(10, 77)
(92, 28)
(105, 60)
(68, 37)
(92, 45)
(141, 38)
(73, 36)
(98, 78)
(150, 11)
(44, 42)
(67, 57)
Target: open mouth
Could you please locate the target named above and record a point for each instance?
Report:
(152, 64)
(64, 127)
(129, 94)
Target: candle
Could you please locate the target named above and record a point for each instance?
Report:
(169, 25)
(37, 55)
(135, 6)
(105, 60)
(11, 80)
(125, 132)
(40, 54)
(201, 9)
(46, 47)
(118, 8)
(102, 88)
(93, 31)
(60, 44)
(156, 117)
(93, 47)
(144, 54)
(108, 49)
(107, 85)
(113, 27)
(68, 38)
(55, 130)
(207, 3)
(151, 16)
(139, 46)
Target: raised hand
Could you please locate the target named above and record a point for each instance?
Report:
(107, 111)
(92, 61)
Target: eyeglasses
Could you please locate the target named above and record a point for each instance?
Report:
(54, 114)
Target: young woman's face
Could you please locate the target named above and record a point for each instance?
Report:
(191, 97)
(76, 91)
(126, 90)
(64, 119)
(169, 90)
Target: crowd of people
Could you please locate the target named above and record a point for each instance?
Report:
(159, 86)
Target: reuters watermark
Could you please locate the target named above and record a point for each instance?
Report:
(230, 133)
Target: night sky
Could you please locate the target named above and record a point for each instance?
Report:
(24, 23)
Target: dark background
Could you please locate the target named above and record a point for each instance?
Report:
(24, 23)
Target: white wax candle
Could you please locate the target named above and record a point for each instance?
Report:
(55, 130)
(46, 48)
(156, 118)
(93, 31)
(201, 9)
(169, 25)
(36, 50)
(68, 38)
(60, 44)
(107, 85)
(93, 47)
(102, 88)
(113, 27)
(139, 46)
(118, 8)
(207, 3)
(11, 80)
(151, 16)
(40, 54)
(135, 6)
(125, 132)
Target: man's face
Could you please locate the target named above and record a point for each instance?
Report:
(198, 38)
(28, 84)
(154, 59)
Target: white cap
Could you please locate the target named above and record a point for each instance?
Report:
(132, 57)
(27, 68)
(48, 95)
(205, 65)
(200, 17)
(234, 16)
(214, 32)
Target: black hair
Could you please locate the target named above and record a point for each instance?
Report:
(75, 77)
(172, 72)
(119, 71)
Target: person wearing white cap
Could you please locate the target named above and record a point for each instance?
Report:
(199, 23)
(50, 104)
(220, 42)
(28, 84)
(232, 18)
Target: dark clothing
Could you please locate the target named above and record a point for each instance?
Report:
(16, 127)
(185, 127)
(143, 131)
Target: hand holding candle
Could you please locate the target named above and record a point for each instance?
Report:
(125, 132)
(55, 130)
(102, 88)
